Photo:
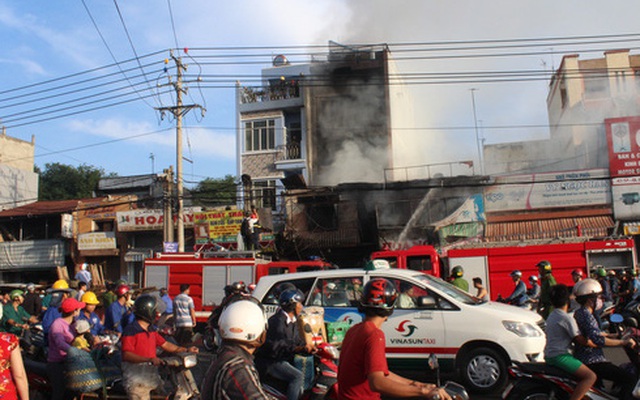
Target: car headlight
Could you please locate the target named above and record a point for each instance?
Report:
(522, 329)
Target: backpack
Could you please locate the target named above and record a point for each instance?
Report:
(244, 227)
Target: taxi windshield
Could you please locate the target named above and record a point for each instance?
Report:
(447, 288)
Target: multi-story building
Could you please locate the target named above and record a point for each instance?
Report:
(317, 124)
(582, 94)
(18, 181)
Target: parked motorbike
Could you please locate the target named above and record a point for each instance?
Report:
(541, 381)
(325, 382)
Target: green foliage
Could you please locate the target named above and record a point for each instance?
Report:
(215, 192)
(65, 182)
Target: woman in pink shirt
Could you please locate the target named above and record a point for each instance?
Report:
(60, 337)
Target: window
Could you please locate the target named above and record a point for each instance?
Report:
(304, 285)
(412, 296)
(264, 194)
(596, 85)
(419, 263)
(336, 292)
(260, 135)
(106, 225)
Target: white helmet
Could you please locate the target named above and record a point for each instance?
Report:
(242, 320)
(587, 287)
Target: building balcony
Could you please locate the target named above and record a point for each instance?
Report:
(257, 98)
(289, 157)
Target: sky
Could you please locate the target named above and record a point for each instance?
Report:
(49, 48)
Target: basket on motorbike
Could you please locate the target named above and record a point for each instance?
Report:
(81, 372)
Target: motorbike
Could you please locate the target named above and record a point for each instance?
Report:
(534, 381)
(325, 382)
(528, 304)
(453, 389)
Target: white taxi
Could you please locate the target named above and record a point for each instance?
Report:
(477, 339)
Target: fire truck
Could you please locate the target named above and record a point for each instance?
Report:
(493, 262)
(209, 272)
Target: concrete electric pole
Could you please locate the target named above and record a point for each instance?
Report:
(178, 111)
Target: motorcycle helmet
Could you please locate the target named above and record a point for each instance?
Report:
(145, 308)
(16, 293)
(457, 272)
(601, 272)
(516, 274)
(379, 295)
(243, 321)
(122, 290)
(235, 288)
(289, 298)
(60, 284)
(533, 279)
(31, 287)
(544, 265)
(278, 290)
(90, 298)
(577, 272)
(587, 287)
(81, 326)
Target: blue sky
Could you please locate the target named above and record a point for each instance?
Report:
(43, 41)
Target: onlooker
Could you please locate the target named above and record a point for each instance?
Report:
(32, 301)
(13, 378)
(88, 313)
(116, 315)
(245, 231)
(59, 293)
(561, 331)
(363, 372)
(83, 339)
(481, 291)
(168, 302)
(84, 275)
(82, 289)
(184, 315)
(139, 342)
(233, 375)
(109, 296)
(60, 337)
(254, 227)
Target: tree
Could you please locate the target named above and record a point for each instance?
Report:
(65, 182)
(213, 192)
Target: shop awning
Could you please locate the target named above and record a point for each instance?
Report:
(592, 226)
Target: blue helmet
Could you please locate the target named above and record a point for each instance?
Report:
(289, 298)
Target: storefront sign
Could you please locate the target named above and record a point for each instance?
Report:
(66, 229)
(623, 138)
(541, 191)
(218, 226)
(626, 197)
(149, 220)
(97, 241)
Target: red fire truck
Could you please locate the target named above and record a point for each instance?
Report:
(493, 262)
(209, 272)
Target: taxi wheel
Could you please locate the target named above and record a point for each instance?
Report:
(484, 370)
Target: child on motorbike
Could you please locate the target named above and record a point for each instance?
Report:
(561, 331)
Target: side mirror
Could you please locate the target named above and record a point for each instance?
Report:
(426, 302)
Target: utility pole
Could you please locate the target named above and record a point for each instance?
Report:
(475, 121)
(178, 111)
(167, 225)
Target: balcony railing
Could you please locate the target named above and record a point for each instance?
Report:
(291, 151)
(262, 94)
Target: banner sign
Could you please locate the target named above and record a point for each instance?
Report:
(623, 138)
(149, 220)
(548, 191)
(626, 197)
(221, 226)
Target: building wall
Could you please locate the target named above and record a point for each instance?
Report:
(18, 182)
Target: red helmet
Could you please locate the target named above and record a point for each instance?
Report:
(577, 272)
(379, 294)
(122, 290)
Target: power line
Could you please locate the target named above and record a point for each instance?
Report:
(173, 25)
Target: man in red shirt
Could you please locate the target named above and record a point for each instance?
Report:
(139, 342)
(363, 373)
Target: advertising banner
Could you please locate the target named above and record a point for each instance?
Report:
(149, 220)
(626, 197)
(550, 190)
(218, 226)
(623, 138)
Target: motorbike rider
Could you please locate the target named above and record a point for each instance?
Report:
(588, 294)
(548, 280)
(457, 273)
(561, 331)
(363, 372)
(139, 342)
(233, 375)
(14, 317)
(283, 342)
(519, 295)
(32, 301)
(59, 292)
(534, 292)
(118, 311)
